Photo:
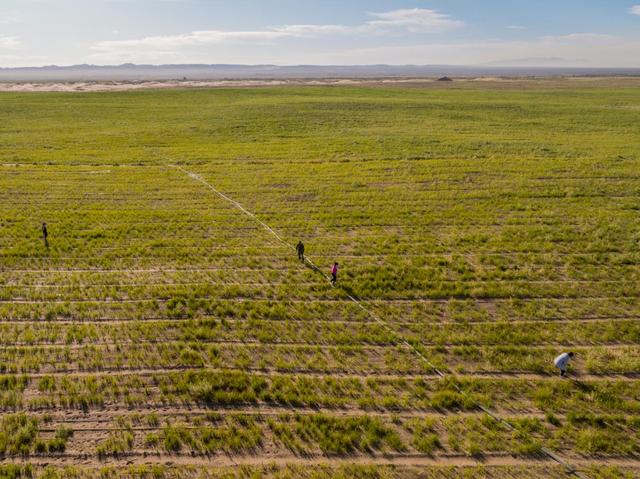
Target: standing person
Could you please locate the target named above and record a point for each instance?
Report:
(45, 234)
(300, 250)
(562, 362)
(334, 274)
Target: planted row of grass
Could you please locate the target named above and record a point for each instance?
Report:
(235, 434)
(312, 359)
(237, 388)
(427, 313)
(602, 332)
(20, 436)
(323, 471)
(184, 308)
(335, 436)
(377, 289)
(475, 435)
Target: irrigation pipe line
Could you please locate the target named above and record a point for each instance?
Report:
(442, 374)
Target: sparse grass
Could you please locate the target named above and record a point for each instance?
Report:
(119, 442)
(491, 228)
(237, 434)
(20, 435)
(335, 436)
(425, 437)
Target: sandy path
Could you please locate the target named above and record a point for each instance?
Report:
(224, 460)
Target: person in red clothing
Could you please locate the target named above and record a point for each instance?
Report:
(334, 274)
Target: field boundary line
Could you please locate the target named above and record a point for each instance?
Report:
(569, 468)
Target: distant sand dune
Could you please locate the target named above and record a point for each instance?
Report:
(106, 86)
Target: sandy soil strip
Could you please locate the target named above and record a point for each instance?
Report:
(223, 460)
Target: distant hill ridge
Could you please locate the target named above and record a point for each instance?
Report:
(132, 72)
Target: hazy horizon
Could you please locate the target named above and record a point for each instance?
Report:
(542, 33)
(133, 72)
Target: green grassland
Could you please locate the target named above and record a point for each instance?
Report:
(165, 333)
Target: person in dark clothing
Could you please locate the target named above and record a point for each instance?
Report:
(45, 234)
(300, 250)
(334, 274)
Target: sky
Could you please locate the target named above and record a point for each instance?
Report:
(563, 33)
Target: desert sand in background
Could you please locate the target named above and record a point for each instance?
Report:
(103, 86)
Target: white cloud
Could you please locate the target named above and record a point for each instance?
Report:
(564, 51)
(516, 27)
(205, 37)
(635, 10)
(411, 20)
(368, 42)
(9, 42)
(165, 45)
(314, 30)
(8, 20)
(415, 20)
(582, 37)
(172, 48)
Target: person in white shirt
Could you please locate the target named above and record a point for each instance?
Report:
(562, 362)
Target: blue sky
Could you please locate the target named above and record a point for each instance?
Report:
(463, 32)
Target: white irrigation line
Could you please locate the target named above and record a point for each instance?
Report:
(233, 202)
(569, 468)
